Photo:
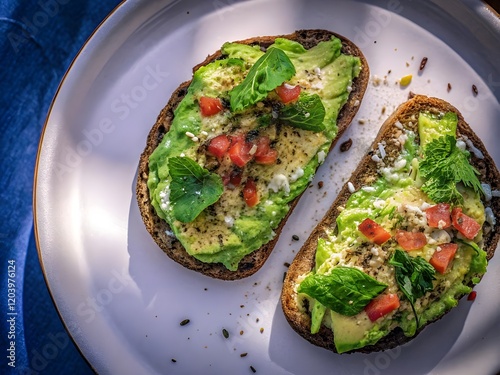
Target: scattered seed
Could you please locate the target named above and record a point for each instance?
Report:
(422, 63)
(295, 237)
(262, 330)
(406, 80)
(253, 369)
(345, 146)
(449, 87)
(286, 264)
(184, 322)
(225, 333)
(361, 122)
(284, 276)
(173, 360)
(474, 90)
(320, 184)
(241, 333)
(243, 355)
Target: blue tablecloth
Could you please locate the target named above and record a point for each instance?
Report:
(38, 41)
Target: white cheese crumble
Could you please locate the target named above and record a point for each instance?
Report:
(400, 164)
(350, 186)
(165, 199)
(490, 216)
(487, 192)
(278, 182)
(229, 220)
(398, 125)
(296, 175)
(381, 150)
(321, 156)
(477, 152)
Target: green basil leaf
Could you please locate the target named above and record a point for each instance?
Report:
(345, 290)
(192, 188)
(269, 71)
(414, 276)
(307, 113)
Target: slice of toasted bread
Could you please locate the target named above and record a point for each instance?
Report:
(158, 228)
(297, 313)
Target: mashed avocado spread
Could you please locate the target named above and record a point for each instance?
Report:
(421, 250)
(245, 141)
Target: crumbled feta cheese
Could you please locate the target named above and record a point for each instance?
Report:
(381, 149)
(321, 156)
(400, 164)
(490, 216)
(165, 199)
(376, 158)
(350, 186)
(477, 152)
(296, 175)
(253, 150)
(487, 192)
(398, 125)
(368, 189)
(229, 220)
(288, 86)
(278, 182)
(189, 134)
(317, 71)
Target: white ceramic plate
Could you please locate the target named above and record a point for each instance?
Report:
(122, 299)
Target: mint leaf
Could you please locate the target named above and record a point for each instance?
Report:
(345, 290)
(414, 276)
(444, 165)
(192, 188)
(307, 113)
(269, 71)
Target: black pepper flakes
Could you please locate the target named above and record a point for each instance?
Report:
(225, 333)
(173, 360)
(448, 88)
(423, 63)
(242, 355)
(474, 90)
(345, 146)
(184, 322)
(253, 369)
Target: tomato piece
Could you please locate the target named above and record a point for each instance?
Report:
(466, 225)
(232, 178)
(381, 305)
(218, 146)
(288, 93)
(410, 240)
(373, 231)
(210, 106)
(264, 153)
(442, 257)
(250, 193)
(439, 216)
(239, 152)
(267, 159)
(472, 296)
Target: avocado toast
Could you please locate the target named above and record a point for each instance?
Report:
(235, 147)
(409, 234)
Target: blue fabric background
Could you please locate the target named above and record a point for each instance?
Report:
(39, 39)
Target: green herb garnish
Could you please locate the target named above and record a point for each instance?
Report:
(192, 189)
(345, 290)
(306, 113)
(269, 71)
(444, 165)
(414, 276)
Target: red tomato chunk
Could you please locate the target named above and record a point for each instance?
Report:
(439, 216)
(466, 225)
(288, 93)
(373, 231)
(381, 305)
(443, 256)
(218, 146)
(410, 240)
(250, 193)
(472, 296)
(239, 152)
(210, 106)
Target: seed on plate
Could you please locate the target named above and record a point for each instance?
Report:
(243, 355)
(449, 87)
(184, 322)
(345, 146)
(422, 63)
(253, 369)
(474, 90)
(225, 333)
(295, 237)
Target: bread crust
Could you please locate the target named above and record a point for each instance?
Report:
(159, 228)
(366, 170)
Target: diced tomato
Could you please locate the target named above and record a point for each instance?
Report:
(466, 225)
(239, 152)
(381, 305)
(410, 240)
(439, 216)
(472, 296)
(373, 231)
(218, 146)
(264, 153)
(250, 193)
(442, 257)
(288, 93)
(210, 106)
(232, 178)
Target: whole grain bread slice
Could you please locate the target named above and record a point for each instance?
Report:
(296, 314)
(159, 229)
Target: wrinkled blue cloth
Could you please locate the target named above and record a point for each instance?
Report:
(39, 39)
